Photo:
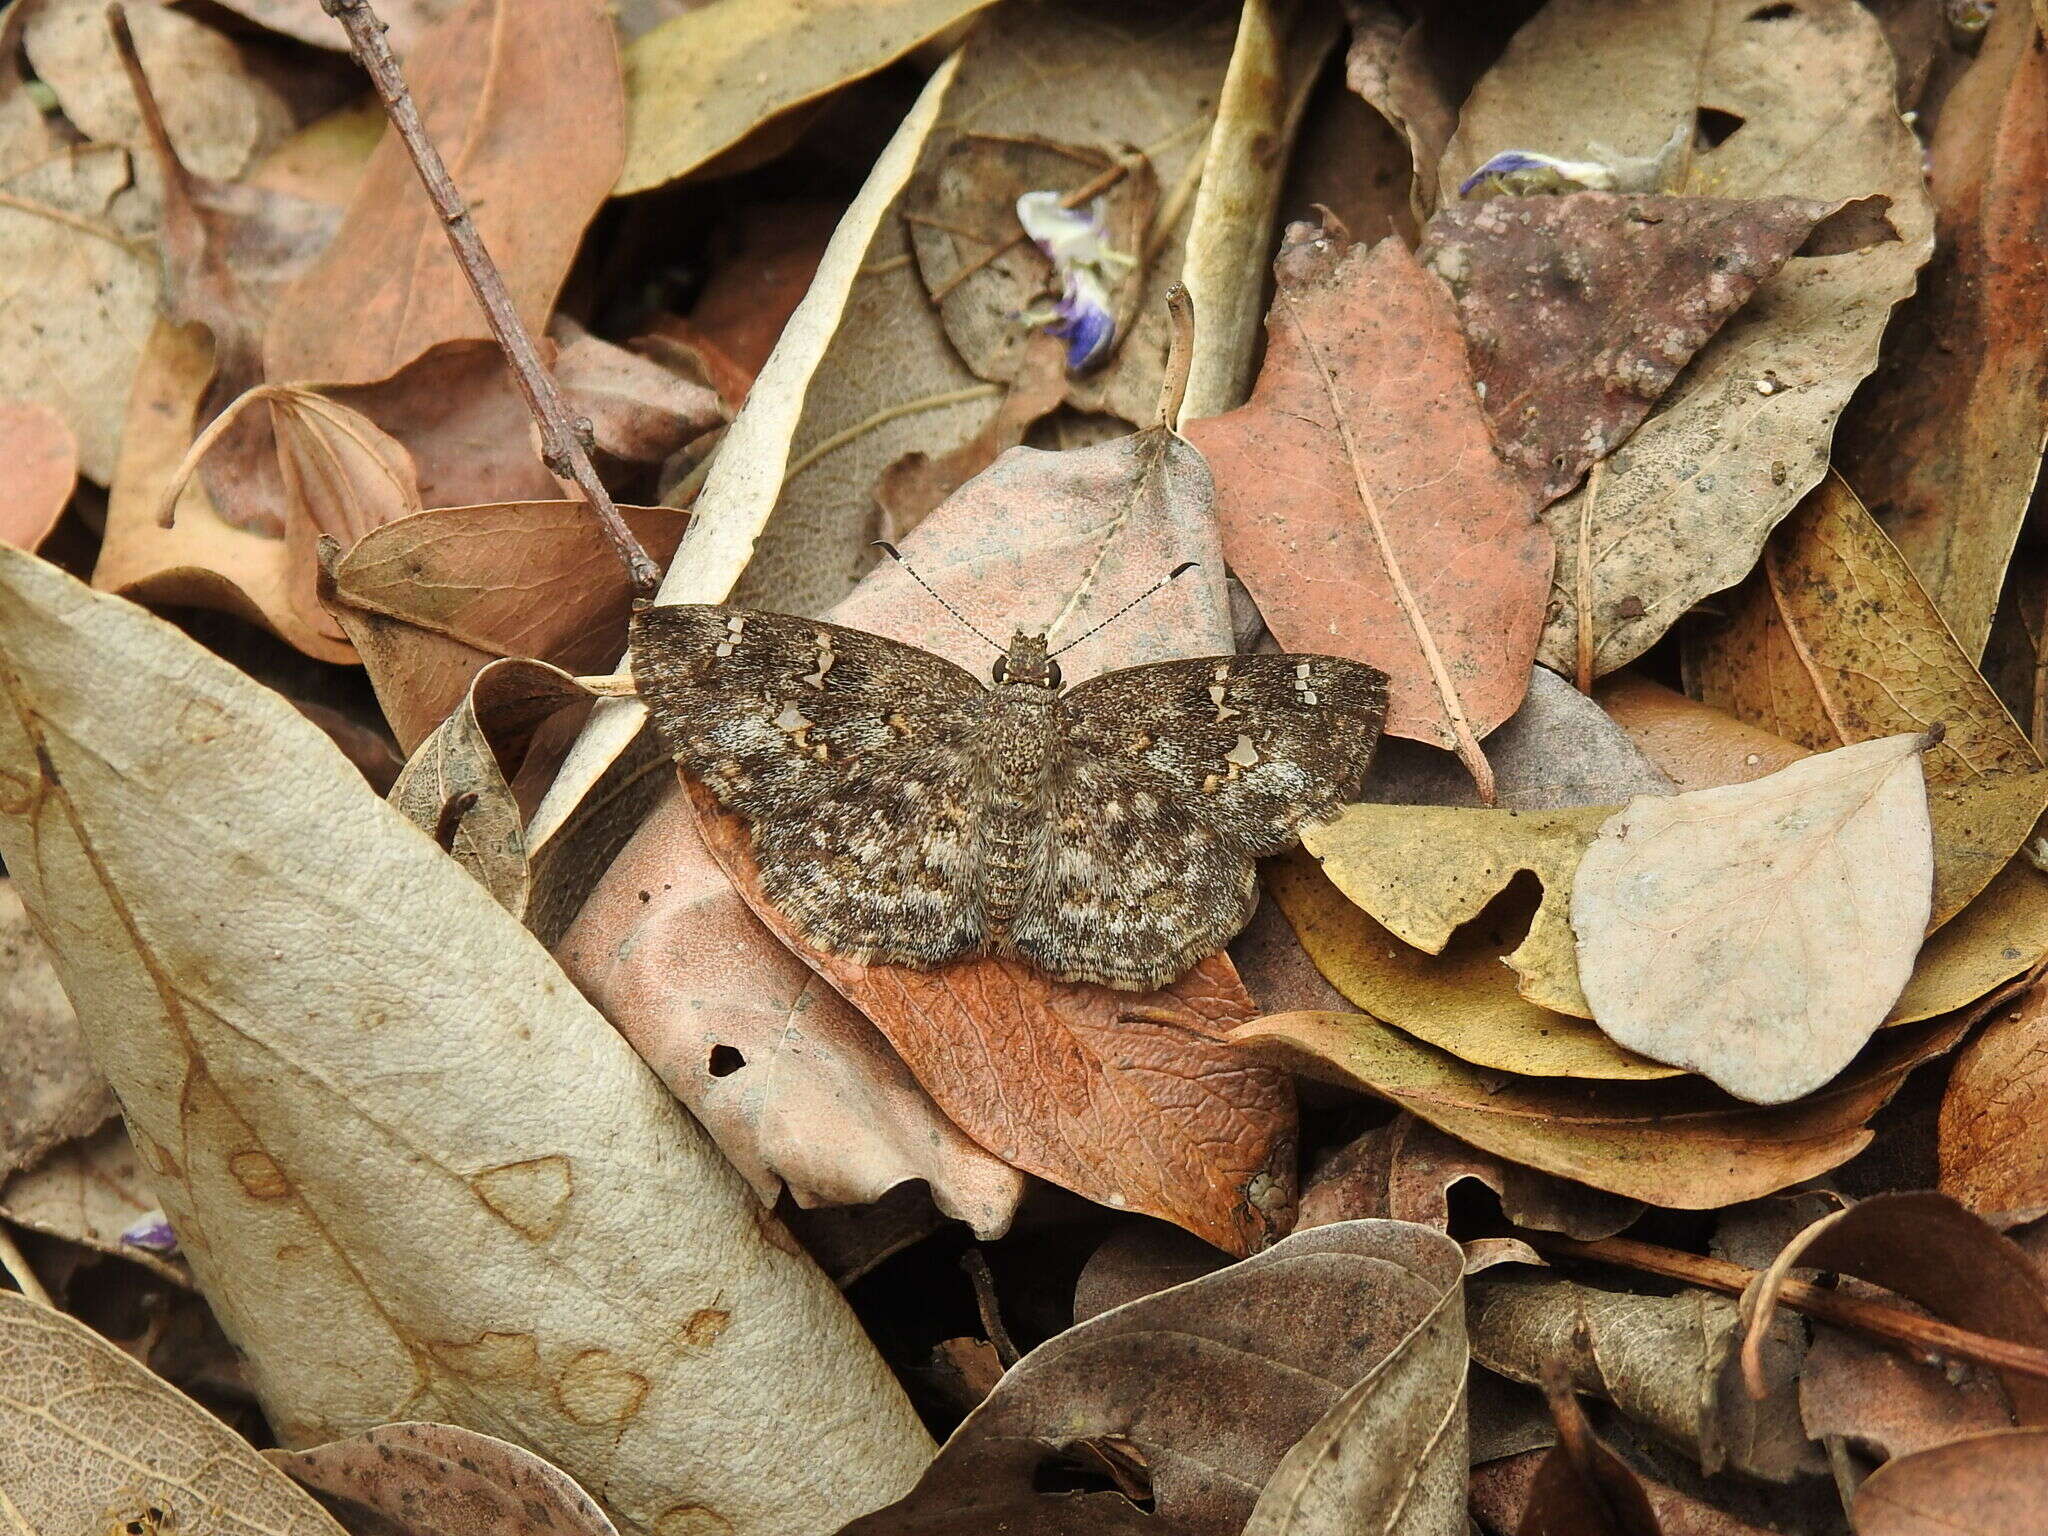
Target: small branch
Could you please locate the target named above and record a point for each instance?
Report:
(1180, 357)
(18, 1268)
(1894, 1326)
(975, 1262)
(564, 443)
(1583, 600)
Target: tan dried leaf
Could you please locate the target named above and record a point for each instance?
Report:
(89, 1192)
(1993, 1155)
(50, 1088)
(298, 973)
(42, 459)
(1760, 933)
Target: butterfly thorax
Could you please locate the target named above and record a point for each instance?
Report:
(1020, 726)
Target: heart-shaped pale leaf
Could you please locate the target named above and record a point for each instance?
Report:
(1759, 933)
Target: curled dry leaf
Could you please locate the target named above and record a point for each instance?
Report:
(430, 599)
(1350, 1397)
(443, 1480)
(1581, 310)
(1422, 872)
(1760, 933)
(1994, 1156)
(1668, 1362)
(41, 455)
(640, 411)
(1581, 1488)
(65, 259)
(523, 99)
(299, 973)
(1463, 1000)
(1686, 504)
(1928, 1249)
(1981, 1485)
(1405, 1170)
(1832, 641)
(222, 114)
(1362, 502)
(1501, 1490)
(1944, 442)
(702, 82)
(90, 1440)
(89, 1192)
(50, 1089)
(1671, 1144)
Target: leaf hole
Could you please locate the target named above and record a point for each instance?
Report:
(1106, 1464)
(1779, 12)
(725, 1060)
(1715, 127)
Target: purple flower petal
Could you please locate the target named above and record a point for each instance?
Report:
(152, 1232)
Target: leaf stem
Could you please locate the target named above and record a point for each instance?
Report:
(564, 443)
(1901, 1329)
(1180, 356)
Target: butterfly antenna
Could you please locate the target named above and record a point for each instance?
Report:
(1179, 570)
(897, 555)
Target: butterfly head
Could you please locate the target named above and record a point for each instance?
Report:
(1026, 664)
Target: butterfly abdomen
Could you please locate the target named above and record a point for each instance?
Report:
(1017, 741)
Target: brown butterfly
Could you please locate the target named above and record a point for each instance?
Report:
(905, 812)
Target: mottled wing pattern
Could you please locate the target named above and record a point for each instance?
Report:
(1255, 745)
(848, 753)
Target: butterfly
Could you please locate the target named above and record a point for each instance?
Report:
(903, 811)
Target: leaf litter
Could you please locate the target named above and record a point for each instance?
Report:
(1700, 873)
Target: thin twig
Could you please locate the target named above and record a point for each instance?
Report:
(564, 443)
(1180, 357)
(975, 1262)
(1903, 1330)
(18, 1268)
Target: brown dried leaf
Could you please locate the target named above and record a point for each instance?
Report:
(90, 1192)
(1581, 1488)
(1362, 502)
(1994, 1156)
(1832, 641)
(523, 99)
(1668, 1362)
(1405, 1170)
(1347, 1398)
(90, 1440)
(41, 455)
(774, 251)
(50, 1088)
(1677, 1144)
(1682, 510)
(306, 20)
(1983, 1485)
(1500, 1491)
(443, 1480)
(1760, 933)
(640, 411)
(1944, 441)
(1580, 311)
(430, 599)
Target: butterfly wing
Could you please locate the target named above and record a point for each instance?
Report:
(1254, 745)
(848, 754)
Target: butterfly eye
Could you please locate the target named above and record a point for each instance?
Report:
(1001, 668)
(1052, 674)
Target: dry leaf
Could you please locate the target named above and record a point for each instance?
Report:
(1581, 310)
(1500, 1492)
(1463, 1001)
(407, 21)
(1581, 1488)
(1886, 1403)
(90, 1440)
(522, 97)
(65, 258)
(1832, 641)
(90, 1192)
(1422, 872)
(494, 1264)
(41, 455)
(443, 1480)
(1983, 1485)
(1993, 1155)
(1944, 442)
(430, 599)
(1685, 505)
(222, 114)
(1673, 1144)
(1405, 1170)
(796, 1086)
(27, 136)
(1695, 745)
(50, 1088)
(640, 412)
(1667, 1362)
(699, 84)
(1349, 1397)
(1760, 933)
(1362, 502)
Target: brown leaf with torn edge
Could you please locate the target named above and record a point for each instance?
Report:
(1832, 641)
(1675, 1144)
(1944, 441)
(1760, 933)
(1363, 504)
(523, 99)
(1797, 102)
(1347, 1398)
(444, 1480)
(90, 1440)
